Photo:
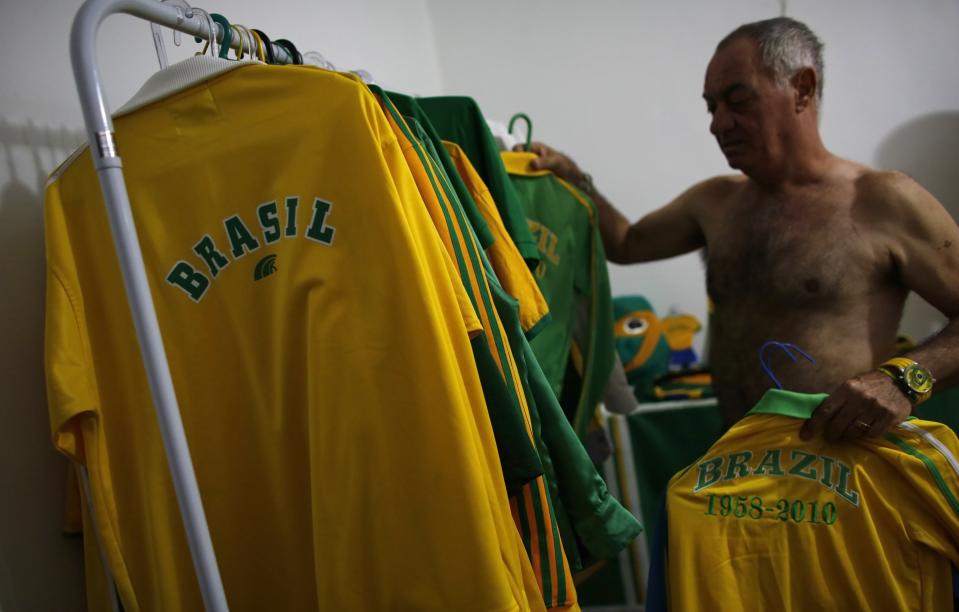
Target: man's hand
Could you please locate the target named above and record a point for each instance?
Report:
(554, 161)
(862, 407)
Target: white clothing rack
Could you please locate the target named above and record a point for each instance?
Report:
(106, 159)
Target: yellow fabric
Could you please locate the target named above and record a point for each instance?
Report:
(427, 176)
(331, 416)
(881, 536)
(507, 262)
(424, 179)
(554, 547)
(517, 162)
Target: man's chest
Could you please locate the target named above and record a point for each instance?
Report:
(789, 254)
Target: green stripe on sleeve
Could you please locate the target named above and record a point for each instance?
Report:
(930, 465)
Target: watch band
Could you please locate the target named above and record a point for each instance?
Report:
(915, 381)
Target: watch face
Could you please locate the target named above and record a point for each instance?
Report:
(918, 379)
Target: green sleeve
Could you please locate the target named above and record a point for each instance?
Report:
(460, 120)
(409, 107)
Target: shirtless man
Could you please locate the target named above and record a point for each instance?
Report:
(802, 247)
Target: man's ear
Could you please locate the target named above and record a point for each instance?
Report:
(806, 83)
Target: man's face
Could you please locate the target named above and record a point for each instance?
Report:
(749, 110)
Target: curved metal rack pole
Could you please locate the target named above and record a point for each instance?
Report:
(109, 167)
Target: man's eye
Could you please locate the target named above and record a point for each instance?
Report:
(739, 102)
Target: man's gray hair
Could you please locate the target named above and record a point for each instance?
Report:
(786, 47)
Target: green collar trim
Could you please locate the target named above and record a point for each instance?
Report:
(788, 403)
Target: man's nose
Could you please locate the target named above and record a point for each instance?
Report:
(721, 121)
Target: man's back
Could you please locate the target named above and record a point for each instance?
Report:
(765, 521)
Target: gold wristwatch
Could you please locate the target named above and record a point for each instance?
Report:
(913, 379)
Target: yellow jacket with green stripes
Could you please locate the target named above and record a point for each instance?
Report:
(766, 521)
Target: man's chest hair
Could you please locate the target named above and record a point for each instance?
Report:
(789, 253)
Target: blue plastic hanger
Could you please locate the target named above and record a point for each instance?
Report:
(784, 347)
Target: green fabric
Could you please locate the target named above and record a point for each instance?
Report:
(578, 497)
(459, 119)
(930, 465)
(602, 524)
(410, 108)
(455, 218)
(788, 403)
(586, 512)
(519, 459)
(573, 267)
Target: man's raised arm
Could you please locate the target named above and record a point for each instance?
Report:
(672, 230)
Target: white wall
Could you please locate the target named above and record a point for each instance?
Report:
(617, 84)
(40, 123)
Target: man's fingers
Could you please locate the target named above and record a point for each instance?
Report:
(840, 421)
(859, 426)
(817, 422)
(549, 161)
(880, 426)
(540, 149)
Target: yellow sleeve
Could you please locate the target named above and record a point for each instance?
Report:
(413, 167)
(507, 262)
(71, 390)
(929, 461)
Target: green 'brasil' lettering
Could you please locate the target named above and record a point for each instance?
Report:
(270, 223)
(214, 259)
(799, 468)
(195, 284)
(241, 240)
(319, 230)
(771, 463)
(186, 277)
(291, 203)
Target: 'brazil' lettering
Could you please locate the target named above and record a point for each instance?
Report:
(828, 472)
(211, 254)
(547, 243)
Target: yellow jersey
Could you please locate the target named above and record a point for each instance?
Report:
(766, 521)
(504, 255)
(319, 343)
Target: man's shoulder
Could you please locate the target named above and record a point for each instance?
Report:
(724, 184)
(714, 190)
(894, 195)
(887, 186)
